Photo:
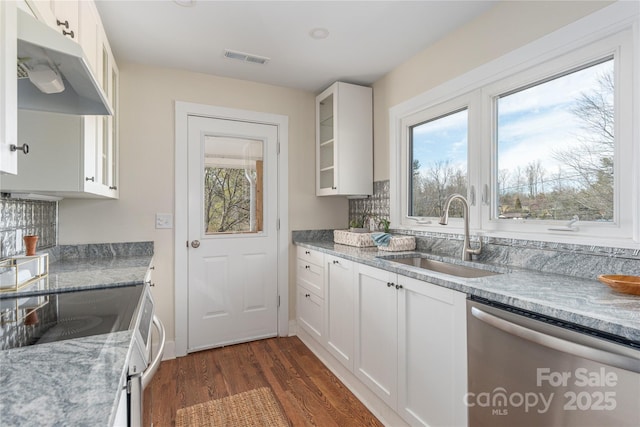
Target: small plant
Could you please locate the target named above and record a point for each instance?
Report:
(356, 223)
(385, 223)
(361, 221)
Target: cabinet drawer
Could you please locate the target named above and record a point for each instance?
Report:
(310, 309)
(311, 276)
(310, 255)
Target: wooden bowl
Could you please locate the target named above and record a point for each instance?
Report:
(621, 283)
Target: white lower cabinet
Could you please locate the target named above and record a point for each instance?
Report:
(309, 309)
(432, 355)
(401, 338)
(376, 332)
(310, 292)
(339, 309)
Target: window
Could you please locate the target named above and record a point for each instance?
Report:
(555, 144)
(438, 159)
(233, 181)
(548, 135)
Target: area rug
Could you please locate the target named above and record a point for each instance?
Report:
(252, 408)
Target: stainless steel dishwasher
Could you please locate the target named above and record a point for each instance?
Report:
(530, 370)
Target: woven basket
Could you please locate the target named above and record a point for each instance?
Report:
(360, 240)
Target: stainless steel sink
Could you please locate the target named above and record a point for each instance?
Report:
(443, 267)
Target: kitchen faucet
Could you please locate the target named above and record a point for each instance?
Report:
(444, 219)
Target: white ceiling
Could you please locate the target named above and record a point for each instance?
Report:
(366, 39)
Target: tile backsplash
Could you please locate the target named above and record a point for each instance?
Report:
(375, 206)
(20, 218)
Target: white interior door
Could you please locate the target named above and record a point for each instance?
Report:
(232, 231)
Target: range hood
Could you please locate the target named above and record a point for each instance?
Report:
(55, 62)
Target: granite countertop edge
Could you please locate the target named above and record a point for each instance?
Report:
(584, 302)
(89, 273)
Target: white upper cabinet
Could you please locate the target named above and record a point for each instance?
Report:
(8, 89)
(70, 155)
(89, 28)
(344, 140)
(64, 159)
(63, 15)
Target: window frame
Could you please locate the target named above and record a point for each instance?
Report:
(431, 113)
(613, 31)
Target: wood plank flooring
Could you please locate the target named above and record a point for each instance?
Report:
(309, 394)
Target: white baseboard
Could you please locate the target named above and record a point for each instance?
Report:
(381, 410)
(169, 350)
(293, 328)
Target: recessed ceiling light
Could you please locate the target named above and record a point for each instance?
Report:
(185, 3)
(319, 33)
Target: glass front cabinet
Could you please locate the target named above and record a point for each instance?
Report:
(344, 140)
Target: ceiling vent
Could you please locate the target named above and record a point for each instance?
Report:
(245, 57)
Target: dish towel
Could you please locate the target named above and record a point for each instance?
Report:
(381, 239)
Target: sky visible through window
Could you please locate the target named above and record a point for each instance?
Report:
(538, 128)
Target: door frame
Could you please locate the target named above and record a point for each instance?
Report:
(181, 269)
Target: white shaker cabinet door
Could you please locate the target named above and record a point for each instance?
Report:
(376, 357)
(432, 354)
(340, 309)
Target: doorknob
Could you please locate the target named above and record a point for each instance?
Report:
(195, 244)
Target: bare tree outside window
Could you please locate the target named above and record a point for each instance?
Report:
(439, 164)
(556, 147)
(233, 185)
(226, 200)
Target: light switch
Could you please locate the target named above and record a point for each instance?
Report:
(164, 220)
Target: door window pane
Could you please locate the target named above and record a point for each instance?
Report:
(233, 185)
(556, 147)
(438, 159)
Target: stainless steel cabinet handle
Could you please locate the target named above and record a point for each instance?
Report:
(90, 178)
(153, 367)
(24, 148)
(195, 244)
(62, 24)
(559, 344)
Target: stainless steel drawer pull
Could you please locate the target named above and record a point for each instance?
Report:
(24, 148)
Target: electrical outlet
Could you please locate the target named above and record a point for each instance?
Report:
(164, 220)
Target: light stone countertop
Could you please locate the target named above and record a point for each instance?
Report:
(74, 382)
(89, 273)
(66, 383)
(585, 302)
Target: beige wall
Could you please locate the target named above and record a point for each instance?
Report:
(147, 98)
(503, 28)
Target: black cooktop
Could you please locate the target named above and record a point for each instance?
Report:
(67, 315)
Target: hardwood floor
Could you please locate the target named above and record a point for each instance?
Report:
(307, 391)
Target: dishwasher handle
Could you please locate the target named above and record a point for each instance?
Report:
(559, 344)
(148, 373)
